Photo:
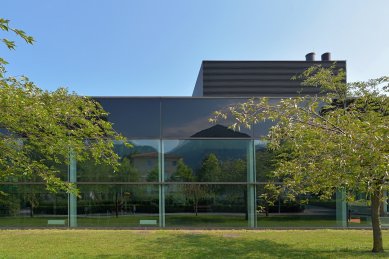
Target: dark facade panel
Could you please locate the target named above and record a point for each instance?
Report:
(188, 118)
(170, 117)
(133, 117)
(255, 78)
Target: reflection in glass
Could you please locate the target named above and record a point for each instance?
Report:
(299, 213)
(117, 205)
(188, 117)
(201, 205)
(359, 212)
(133, 117)
(206, 160)
(139, 163)
(32, 206)
(264, 161)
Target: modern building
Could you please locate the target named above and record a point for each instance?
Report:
(182, 170)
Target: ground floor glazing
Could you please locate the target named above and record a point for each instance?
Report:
(199, 183)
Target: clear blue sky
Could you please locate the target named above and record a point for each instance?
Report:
(155, 48)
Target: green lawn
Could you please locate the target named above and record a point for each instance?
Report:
(187, 244)
(185, 220)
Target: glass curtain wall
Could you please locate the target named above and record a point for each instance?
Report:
(25, 202)
(126, 198)
(207, 182)
(31, 205)
(181, 171)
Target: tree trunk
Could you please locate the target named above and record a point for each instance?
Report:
(196, 203)
(116, 205)
(375, 221)
(32, 211)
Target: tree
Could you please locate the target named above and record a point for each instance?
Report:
(183, 173)
(33, 201)
(153, 175)
(336, 140)
(193, 192)
(210, 169)
(235, 171)
(42, 130)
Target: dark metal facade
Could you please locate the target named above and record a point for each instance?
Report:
(254, 78)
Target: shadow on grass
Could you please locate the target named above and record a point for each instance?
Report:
(199, 245)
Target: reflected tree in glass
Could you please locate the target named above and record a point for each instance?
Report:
(193, 192)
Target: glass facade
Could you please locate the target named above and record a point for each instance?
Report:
(31, 205)
(181, 171)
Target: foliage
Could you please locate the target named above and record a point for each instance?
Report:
(193, 192)
(210, 169)
(153, 175)
(128, 171)
(40, 128)
(10, 44)
(336, 139)
(8, 205)
(183, 173)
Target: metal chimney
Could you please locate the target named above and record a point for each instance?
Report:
(326, 56)
(310, 56)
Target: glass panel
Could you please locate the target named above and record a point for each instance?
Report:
(188, 117)
(206, 160)
(118, 206)
(359, 213)
(315, 213)
(32, 206)
(139, 163)
(134, 117)
(199, 205)
(261, 129)
(264, 161)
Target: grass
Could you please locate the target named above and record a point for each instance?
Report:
(184, 220)
(187, 244)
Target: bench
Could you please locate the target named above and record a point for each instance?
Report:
(56, 222)
(148, 222)
(354, 220)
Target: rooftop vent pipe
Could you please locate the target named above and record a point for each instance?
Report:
(326, 56)
(310, 56)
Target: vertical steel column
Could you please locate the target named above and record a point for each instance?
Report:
(251, 190)
(341, 208)
(161, 187)
(72, 199)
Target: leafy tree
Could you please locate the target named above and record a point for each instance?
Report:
(127, 170)
(193, 192)
(334, 140)
(183, 173)
(153, 175)
(40, 128)
(236, 171)
(210, 169)
(33, 200)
